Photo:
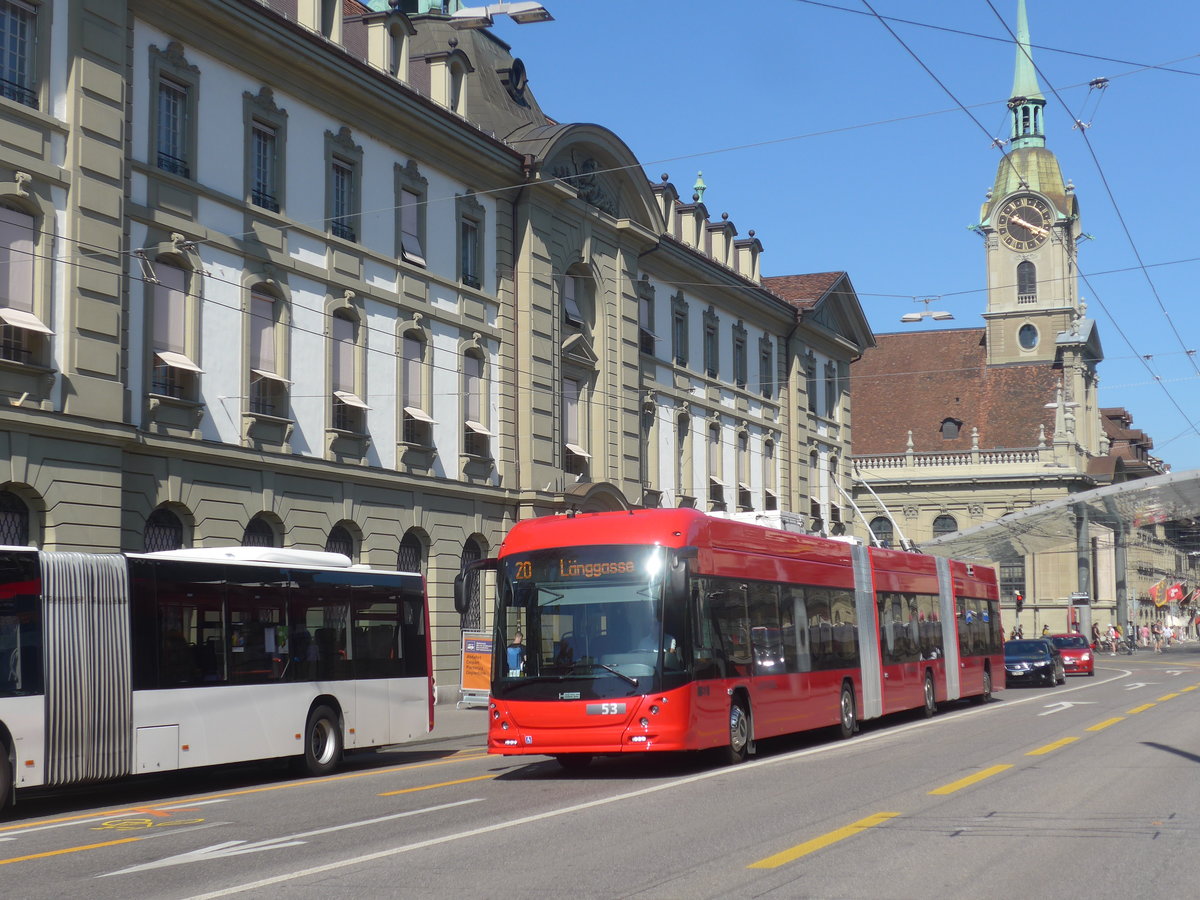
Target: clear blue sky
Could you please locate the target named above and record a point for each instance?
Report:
(815, 127)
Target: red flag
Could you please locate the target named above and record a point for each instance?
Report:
(1175, 592)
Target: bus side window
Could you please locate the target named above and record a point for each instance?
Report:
(708, 656)
(794, 631)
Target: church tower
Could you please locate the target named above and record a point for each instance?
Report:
(1030, 225)
(1030, 222)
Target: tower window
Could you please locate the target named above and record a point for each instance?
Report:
(1026, 282)
(950, 429)
(1027, 337)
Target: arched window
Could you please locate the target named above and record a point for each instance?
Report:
(458, 95)
(164, 531)
(258, 533)
(417, 423)
(340, 541)
(476, 436)
(349, 409)
(881, 527)
(683, 456)
(14, 520)
(1026, 282)
(835, 495)
(411, 555)
(944, 525)
(770, 498)
(814, 485)
(22, 332)
(950, 429)
(470, 616)
(268, 370)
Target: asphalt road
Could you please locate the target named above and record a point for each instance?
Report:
(1089, 790)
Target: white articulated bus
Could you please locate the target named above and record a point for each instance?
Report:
(121, 664)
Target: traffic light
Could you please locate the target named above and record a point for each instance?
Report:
(1019, 600)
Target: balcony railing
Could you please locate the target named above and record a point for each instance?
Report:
(174, 165)
(19, 92)
(265, 200)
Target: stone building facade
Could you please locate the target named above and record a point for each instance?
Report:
(323, 275)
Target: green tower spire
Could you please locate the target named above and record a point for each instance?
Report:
(1027, 101)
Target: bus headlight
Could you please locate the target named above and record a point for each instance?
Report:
(645, 723)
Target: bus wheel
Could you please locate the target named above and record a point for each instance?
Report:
(322, 742)
(849, 718)
(986, 696)
(930, 698)
(574, 762)
(739, 732)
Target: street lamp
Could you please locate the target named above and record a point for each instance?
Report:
(939, 315)
(523, 13)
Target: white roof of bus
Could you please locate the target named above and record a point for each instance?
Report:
(272, 555)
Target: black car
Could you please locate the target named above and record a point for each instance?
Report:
(1035, 660)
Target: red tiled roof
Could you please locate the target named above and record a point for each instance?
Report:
(916, 380)
(802, 291)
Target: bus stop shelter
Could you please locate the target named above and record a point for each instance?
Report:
(1120, 507)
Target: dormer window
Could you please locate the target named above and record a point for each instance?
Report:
(950, 429)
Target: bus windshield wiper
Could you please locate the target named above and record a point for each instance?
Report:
(599, 665)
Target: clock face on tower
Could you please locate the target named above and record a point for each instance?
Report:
(1024, 222)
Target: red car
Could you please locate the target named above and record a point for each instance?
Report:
(1077, 654)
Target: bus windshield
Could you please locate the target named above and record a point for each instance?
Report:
(590, 615)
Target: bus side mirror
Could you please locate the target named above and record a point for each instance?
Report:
(677, 572)
(466, 580)
(460, 593)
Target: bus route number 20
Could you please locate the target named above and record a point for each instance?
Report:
(606, 709)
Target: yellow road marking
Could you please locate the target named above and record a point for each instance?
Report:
(1142, 708)
(1100, 726)
(970, 780)
(16, 859)
(112, 813)
(1167, 697)
(1191, 687)
(428, 787)
(787, 856)
(1041, 751)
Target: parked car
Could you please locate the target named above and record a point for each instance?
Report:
(1033, 660)
(1077, 654)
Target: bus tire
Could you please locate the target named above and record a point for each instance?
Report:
(6, 779)
(322, 742)
(930, 708)
(986, 696)
(574, 762)
(739, 732)
(848, 715)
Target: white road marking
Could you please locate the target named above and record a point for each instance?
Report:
(1052, 708)
(238, 848)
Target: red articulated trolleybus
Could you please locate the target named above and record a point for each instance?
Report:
(673, 630)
